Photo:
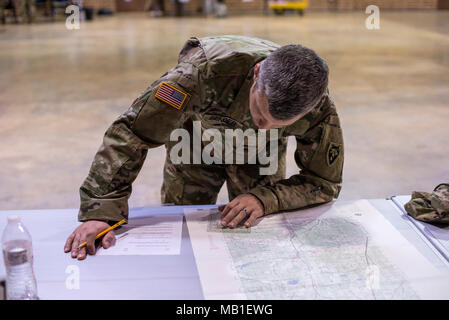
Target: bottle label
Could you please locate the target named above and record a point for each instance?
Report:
(16, 257)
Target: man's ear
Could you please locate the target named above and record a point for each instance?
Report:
(256, 71)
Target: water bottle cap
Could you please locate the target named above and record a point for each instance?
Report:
(13, 218)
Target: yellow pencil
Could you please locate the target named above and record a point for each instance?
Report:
(104, 232)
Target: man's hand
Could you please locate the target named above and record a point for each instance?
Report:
(87, 232)
(234, 212)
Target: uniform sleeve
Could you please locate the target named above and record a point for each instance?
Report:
(319, 156)
(146, 124)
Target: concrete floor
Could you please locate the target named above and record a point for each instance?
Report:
(60, 89)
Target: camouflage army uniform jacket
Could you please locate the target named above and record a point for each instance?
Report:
(216, 75)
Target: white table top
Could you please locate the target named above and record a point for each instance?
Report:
(437, 235)
(140, 277)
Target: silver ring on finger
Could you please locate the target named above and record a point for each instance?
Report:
(246, 212)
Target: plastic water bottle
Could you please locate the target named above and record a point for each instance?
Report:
(18, 257)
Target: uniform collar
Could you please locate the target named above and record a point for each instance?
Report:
(240, 108)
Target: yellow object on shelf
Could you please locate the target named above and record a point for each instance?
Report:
(280, 7)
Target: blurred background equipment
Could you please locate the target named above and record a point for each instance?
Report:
(221, 10)
(53, 8)
(156, 7)
(280, 7)
(22, 11)
(19, 10)
(8, 8)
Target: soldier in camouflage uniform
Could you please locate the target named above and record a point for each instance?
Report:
(224, 82)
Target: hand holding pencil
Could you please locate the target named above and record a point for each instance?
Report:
(102, 233)
(82, 241)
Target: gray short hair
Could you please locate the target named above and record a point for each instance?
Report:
(294, 78)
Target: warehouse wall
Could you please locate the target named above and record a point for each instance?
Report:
(237, 6)
(361, 4)
(97, 4)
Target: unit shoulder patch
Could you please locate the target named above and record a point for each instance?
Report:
(333, 152)
(169, 94)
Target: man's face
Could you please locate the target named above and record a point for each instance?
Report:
(258, 106)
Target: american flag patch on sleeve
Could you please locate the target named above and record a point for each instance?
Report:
(171, 95)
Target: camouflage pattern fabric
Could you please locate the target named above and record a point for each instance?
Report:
(191, 184)
(215, 74)
(430, 207)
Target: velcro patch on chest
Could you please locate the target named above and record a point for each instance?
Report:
(171, 95)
